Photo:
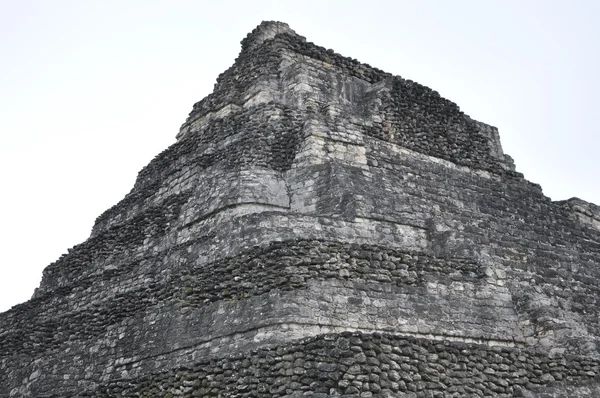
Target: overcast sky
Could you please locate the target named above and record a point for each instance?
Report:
(91, 91)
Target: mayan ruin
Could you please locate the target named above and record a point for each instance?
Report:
(320, 228)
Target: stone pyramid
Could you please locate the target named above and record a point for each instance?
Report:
(320, 228)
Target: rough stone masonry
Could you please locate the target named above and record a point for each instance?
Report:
(320, 228)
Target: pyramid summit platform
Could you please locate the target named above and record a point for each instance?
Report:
(320, 228)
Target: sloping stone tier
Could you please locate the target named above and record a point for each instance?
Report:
(285, 67)
(262, 296)
(355, 364)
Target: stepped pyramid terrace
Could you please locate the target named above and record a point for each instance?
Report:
(320, 228)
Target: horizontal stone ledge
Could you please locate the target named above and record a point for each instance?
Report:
(274, 334)
(236, 210)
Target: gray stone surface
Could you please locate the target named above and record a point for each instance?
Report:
(319, 228)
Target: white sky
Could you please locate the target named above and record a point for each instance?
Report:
(91, 91)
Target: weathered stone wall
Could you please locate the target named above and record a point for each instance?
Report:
(355, 364)
(320, 227)
(398, 110)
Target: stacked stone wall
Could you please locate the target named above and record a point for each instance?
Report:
(410, 114)
(365, 365)
(266, 136)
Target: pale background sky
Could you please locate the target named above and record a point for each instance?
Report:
(91, 91)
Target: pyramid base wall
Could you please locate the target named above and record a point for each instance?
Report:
(352, 364)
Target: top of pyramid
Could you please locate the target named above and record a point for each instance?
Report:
(265, 31)
(277, 65)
